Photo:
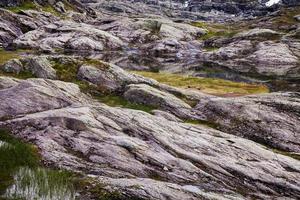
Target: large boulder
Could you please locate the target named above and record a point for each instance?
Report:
(13, 66)
(41, 67)
(274, 59)
(68, 35)
(266, 58)
(147, 95)
(110, 77)
(258, 33)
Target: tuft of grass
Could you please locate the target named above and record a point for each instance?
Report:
(96, 63)
(289, 154)
(14, 154)
(7, 55)
(115, 100)
(20, 172)
(30, 5)
(211, 48)
(26, 5)
(215, 30)
(21, 75)
(68, 72)
(50, 9)
(213, 86)
(99, 191)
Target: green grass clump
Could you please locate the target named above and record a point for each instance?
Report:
(26, 5)
(115, 100)
(7, 55)
(215, 30)
(30, 5)
(20, 166)
(68, 72)
(211, 48)
(213, 86)
(14, 154)
(96, 63)
(21, 75)
(289, 154)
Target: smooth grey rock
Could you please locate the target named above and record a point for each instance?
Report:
(41, 67)
(273, 59)
(266, 58)
(13, 66)
(13, 25)
(257, 33)
(110, 77)
(166, 115)
(145, 94)
(6, 82)
(235, 49)
(272, 119)
(84, 44)
(68, 34)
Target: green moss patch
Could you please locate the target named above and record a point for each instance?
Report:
(215, 30)
(213, 86)
(7, 55)
(26, 5)
(118, 101)
(30, 5)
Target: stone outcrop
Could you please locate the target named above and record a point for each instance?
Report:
(272, 119)
(110, 77)
(142, 155)
(68, 35)
(147, 95)
(264, 58)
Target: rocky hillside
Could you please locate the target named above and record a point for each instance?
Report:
(149, 100)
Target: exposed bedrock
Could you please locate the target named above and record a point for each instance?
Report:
(141, 154)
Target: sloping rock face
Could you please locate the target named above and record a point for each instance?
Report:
(147, 95)
(110, 77)
(142, 155)
(13, 25)
(264, 58)
(68, 35)
(272, 119)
